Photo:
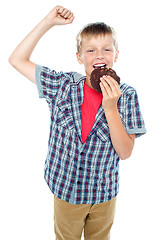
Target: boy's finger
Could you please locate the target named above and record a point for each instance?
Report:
(112, 83)
(102, 89)
(59, 9)
(71, 19)
(68, 14)
(64, 12)
(106, 86)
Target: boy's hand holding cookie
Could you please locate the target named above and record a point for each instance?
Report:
(59, 16)
(111, 93)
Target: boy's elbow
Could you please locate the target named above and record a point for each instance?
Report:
(18, 64)
(125, 155)
(12, 61)
(15, 60)
(127, 151)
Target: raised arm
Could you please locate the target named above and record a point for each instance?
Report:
(20, 58)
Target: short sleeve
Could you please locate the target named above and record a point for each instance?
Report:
(47, 82)
(134, 122)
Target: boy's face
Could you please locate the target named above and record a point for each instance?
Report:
(95, 51)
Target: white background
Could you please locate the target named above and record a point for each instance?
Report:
(26, 203)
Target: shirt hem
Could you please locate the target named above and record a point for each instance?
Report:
(86, 202)
(137, 131)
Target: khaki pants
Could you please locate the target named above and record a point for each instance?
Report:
(96, 219)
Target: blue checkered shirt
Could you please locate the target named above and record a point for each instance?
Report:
(75, 172)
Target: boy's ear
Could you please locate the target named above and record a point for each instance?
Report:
(79, 58)
(116, 56)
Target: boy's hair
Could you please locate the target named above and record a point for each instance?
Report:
(95, 29)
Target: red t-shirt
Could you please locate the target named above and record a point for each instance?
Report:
(91, 103)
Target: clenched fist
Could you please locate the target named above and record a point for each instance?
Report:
(59, 16)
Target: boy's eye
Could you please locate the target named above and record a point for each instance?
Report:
(90, 50)
(107, 50)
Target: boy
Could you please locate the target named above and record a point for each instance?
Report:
(90, 131)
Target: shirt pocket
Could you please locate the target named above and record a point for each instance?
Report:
(64, 114)
(103, 133)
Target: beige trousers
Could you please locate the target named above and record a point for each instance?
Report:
(95, 219)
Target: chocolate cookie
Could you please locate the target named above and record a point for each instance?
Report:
(97, 73)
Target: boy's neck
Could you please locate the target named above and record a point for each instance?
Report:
(87, 81)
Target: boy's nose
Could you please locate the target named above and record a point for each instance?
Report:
(99, 55)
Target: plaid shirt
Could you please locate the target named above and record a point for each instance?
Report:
(75, 172)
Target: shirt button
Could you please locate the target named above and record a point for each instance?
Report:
(78, 182)
(80, 168)
(66, 109)
(81, 153)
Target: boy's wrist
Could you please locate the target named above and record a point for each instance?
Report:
(111, 113)
(47, 24)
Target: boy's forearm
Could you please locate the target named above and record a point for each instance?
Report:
(57, 16)
(24, 50)
(20, 58)
(122, 142)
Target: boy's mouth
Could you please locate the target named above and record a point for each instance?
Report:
(99, 65)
